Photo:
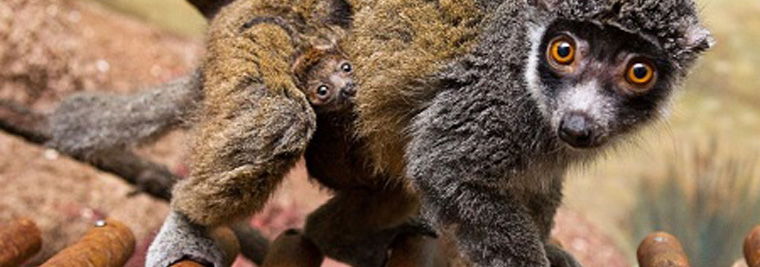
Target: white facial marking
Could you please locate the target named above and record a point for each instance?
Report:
(535, 34)
(586, 99)
(583, 98)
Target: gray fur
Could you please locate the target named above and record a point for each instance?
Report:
(93, 123)
(484, 152)
(165, 252)
(674, 24)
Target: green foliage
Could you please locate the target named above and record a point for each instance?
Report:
(710, 202)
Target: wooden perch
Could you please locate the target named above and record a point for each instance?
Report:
(19, 241)
(188, 263)
(661, 250)
(149, 177)
(752, 248)
(109, 244)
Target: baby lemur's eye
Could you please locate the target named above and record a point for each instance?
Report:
(640, 74)
(346, 67)
(323, 90)
(562, 50)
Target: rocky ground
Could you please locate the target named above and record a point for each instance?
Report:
(52, 48)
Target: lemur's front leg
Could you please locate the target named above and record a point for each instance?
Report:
(458, 164)
(254, 126)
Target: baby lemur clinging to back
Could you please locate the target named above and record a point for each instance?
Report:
(324, 75)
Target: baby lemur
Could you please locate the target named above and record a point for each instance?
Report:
(324, 74)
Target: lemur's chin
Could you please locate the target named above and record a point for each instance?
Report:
(581, 143)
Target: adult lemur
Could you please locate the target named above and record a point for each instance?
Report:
(550, 84)
(483, 105)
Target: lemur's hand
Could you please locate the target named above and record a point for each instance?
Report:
(179, 239)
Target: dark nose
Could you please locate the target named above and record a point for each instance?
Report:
(348, 90)
(577, 130)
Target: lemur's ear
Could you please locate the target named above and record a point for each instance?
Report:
(698, 39)
(340, 14)
(209, 8)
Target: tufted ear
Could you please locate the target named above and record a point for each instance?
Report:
(340, 13)
(698, 39)
(209, 8)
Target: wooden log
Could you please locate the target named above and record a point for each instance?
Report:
(188, 263)
(752, 248)
(19, 241)
(291, 249)
(661, 250)
(109, 244)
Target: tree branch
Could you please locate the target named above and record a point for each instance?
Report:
(149, 177)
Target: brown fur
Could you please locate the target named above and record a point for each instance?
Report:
(255, 123)
(322, 66)
(395, 44)
(369, 210)
(247, 80)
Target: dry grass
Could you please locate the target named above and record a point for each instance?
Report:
(707, 198)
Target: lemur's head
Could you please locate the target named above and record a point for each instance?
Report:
(601, 68)
(325, 75)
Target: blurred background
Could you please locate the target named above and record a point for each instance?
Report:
(695, 174)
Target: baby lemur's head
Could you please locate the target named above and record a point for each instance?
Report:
(325, 75)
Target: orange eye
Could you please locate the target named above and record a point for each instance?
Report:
(640, 73)
(562, 51)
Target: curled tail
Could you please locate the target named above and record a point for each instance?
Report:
(93, 123)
